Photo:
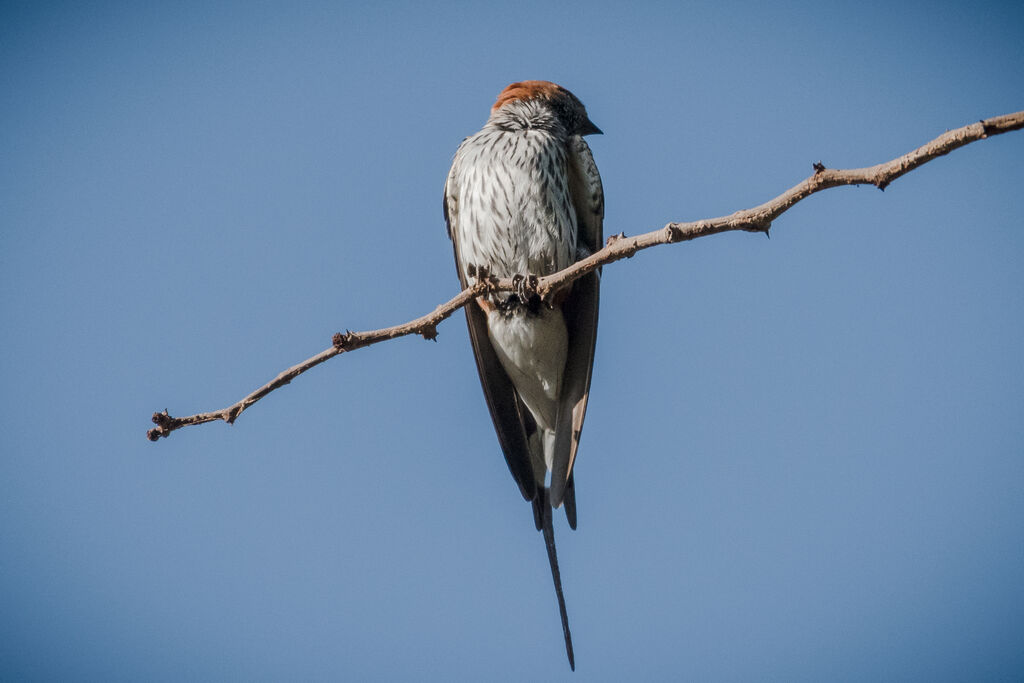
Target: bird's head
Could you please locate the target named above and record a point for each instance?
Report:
(562, 104)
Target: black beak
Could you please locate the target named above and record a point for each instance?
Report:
(588, 128)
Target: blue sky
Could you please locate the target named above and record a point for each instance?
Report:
(804, 456)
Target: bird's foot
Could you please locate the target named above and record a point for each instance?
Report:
(525, 287)
(479, 273)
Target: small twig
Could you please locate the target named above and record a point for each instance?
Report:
(757, 219)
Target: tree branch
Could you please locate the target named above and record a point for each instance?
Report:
(757, 219)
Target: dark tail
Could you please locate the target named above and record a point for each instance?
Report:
(549, 541)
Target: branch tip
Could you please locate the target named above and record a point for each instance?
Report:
(164, 426)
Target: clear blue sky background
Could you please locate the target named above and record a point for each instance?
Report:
(804, 456)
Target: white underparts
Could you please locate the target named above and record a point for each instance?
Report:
(532, 348)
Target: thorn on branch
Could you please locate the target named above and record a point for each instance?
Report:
(882, 184)
(818, 167)
(612, 239)
(633, 247)
(756, 225)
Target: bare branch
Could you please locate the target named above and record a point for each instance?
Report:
(757, 219)
(349, 341)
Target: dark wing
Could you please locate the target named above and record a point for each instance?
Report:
(580, 310)
(501, 396)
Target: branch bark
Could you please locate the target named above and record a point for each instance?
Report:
(756, 219)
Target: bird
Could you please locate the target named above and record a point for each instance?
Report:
(524, 199)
